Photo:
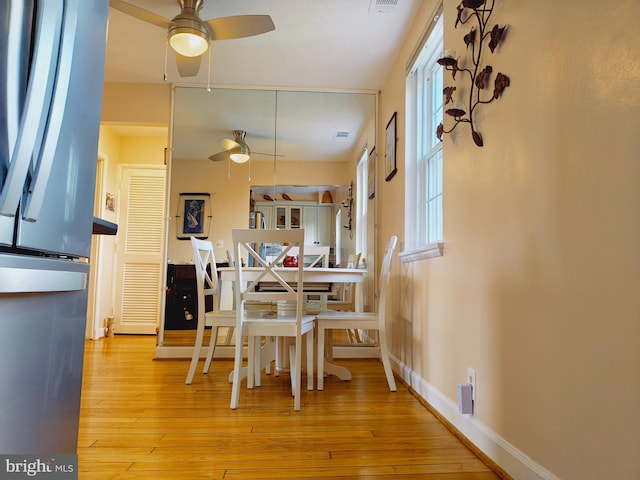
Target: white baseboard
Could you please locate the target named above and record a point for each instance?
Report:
(518, 465)
(227, 351)
(98, 333)
(185, 352)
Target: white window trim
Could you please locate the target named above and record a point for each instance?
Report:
(430, 250)
(361, 199)
(433, 249)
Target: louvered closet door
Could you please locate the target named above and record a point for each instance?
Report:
(139, 285)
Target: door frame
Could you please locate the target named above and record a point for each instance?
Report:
(95, 327)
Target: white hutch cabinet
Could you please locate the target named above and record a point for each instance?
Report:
(315, 218)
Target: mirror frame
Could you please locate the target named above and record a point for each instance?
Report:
(274, 170)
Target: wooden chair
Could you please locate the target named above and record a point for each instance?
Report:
(332, 320)
(207, 285)
(288, 322)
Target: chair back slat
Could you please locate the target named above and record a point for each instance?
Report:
(385, 274)
(206, 273)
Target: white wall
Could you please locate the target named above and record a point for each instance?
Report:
(538, 286)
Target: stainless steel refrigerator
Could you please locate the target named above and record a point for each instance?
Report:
(51, 76)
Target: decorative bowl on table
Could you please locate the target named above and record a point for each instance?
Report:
(290, 261)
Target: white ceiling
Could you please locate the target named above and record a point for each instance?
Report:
(337, 45)
(328, 44)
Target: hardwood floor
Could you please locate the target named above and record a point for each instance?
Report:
(140, 421)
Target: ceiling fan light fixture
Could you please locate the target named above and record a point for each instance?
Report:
(240, 154)
(188, 34)
(188, 44)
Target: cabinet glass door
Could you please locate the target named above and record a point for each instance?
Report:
(288, 217)
(281, 217)
(296, 216)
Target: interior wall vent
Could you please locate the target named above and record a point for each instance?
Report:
(382, 6)
(342, 134)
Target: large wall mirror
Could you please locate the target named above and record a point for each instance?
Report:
(300, 141)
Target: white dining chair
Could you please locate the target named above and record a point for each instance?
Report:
(207, 285)
(289, 321)
(332, 320)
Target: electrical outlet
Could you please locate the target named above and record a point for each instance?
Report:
(471, 379)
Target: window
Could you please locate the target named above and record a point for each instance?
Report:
(361, 203)
(423, 208)
(338, 230)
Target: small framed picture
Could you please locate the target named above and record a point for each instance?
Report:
(194, 215)
(371, 173)
(390, 168)
(110, 202)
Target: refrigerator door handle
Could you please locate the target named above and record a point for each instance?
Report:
(37, 103)
(41, 174)
(30, 280)
(17, 50)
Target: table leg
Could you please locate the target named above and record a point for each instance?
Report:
(330, 368)
(226, 295)
(343, 373)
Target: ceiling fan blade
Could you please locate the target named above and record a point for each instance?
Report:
(139, 13)
(240, 26)
(218, 157)
(228, 144)
(188, 66)
(266, 154)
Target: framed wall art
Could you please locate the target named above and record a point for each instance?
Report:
(194, 216)
(390, 167)
(371, 173)
(110, 202)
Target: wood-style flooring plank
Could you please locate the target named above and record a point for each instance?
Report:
(140, 421)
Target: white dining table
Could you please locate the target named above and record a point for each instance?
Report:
(313, 277)
(314, 274)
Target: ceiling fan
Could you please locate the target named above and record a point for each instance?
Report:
(190, 36)
(236, 150)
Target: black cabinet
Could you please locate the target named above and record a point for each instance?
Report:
(181, 312)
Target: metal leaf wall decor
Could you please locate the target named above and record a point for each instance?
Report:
(477, 12)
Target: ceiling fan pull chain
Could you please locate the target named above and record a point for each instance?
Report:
(166, 53)
(275, 144)
(209, 73)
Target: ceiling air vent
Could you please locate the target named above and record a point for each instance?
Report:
(342, 135)
(382, 6)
